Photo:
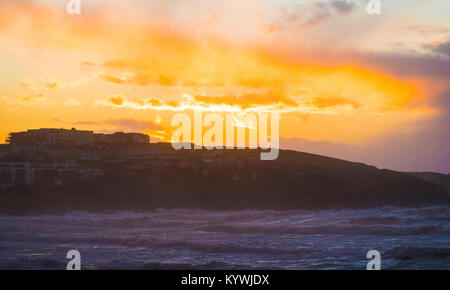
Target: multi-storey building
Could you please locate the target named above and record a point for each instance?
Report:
(73, 137)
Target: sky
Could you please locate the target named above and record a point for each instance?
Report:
(347, 84)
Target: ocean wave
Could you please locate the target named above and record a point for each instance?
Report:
(409, 253)
(374, 220)
(26, 263)
(201, 239)
(210, 248)
(331, 230)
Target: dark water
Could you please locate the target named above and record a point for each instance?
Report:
(198, 239)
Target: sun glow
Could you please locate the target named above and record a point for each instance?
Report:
(94, 67)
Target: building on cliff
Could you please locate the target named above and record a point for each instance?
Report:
(73, 137)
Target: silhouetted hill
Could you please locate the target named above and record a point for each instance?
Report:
(437, 178)
(227, 179)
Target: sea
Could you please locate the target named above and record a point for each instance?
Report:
(406, 238)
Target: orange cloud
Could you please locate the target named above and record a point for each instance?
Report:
(28, 83)
(117, 100)
(145, 55)
(45, 83)
(123, 124)
(268, 102)
(111, 78)
(247, 100)
(87, 63)
(202, 73)
(32, 97)
(331, 102)
(51, 85)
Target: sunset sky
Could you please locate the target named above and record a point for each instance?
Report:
(369, 88)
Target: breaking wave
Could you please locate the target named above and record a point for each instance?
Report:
(201, 239)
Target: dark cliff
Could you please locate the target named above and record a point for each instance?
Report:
(234, 179)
